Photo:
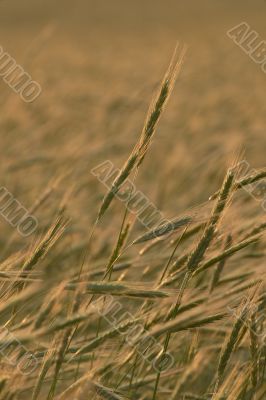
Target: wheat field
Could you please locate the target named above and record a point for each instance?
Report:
(132, 202)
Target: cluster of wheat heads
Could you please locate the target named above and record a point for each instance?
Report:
(180, 318)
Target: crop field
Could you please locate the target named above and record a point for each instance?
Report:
(132, 200)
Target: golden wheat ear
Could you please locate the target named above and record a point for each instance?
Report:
(154, 114)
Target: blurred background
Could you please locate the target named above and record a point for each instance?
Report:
(99, 64)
